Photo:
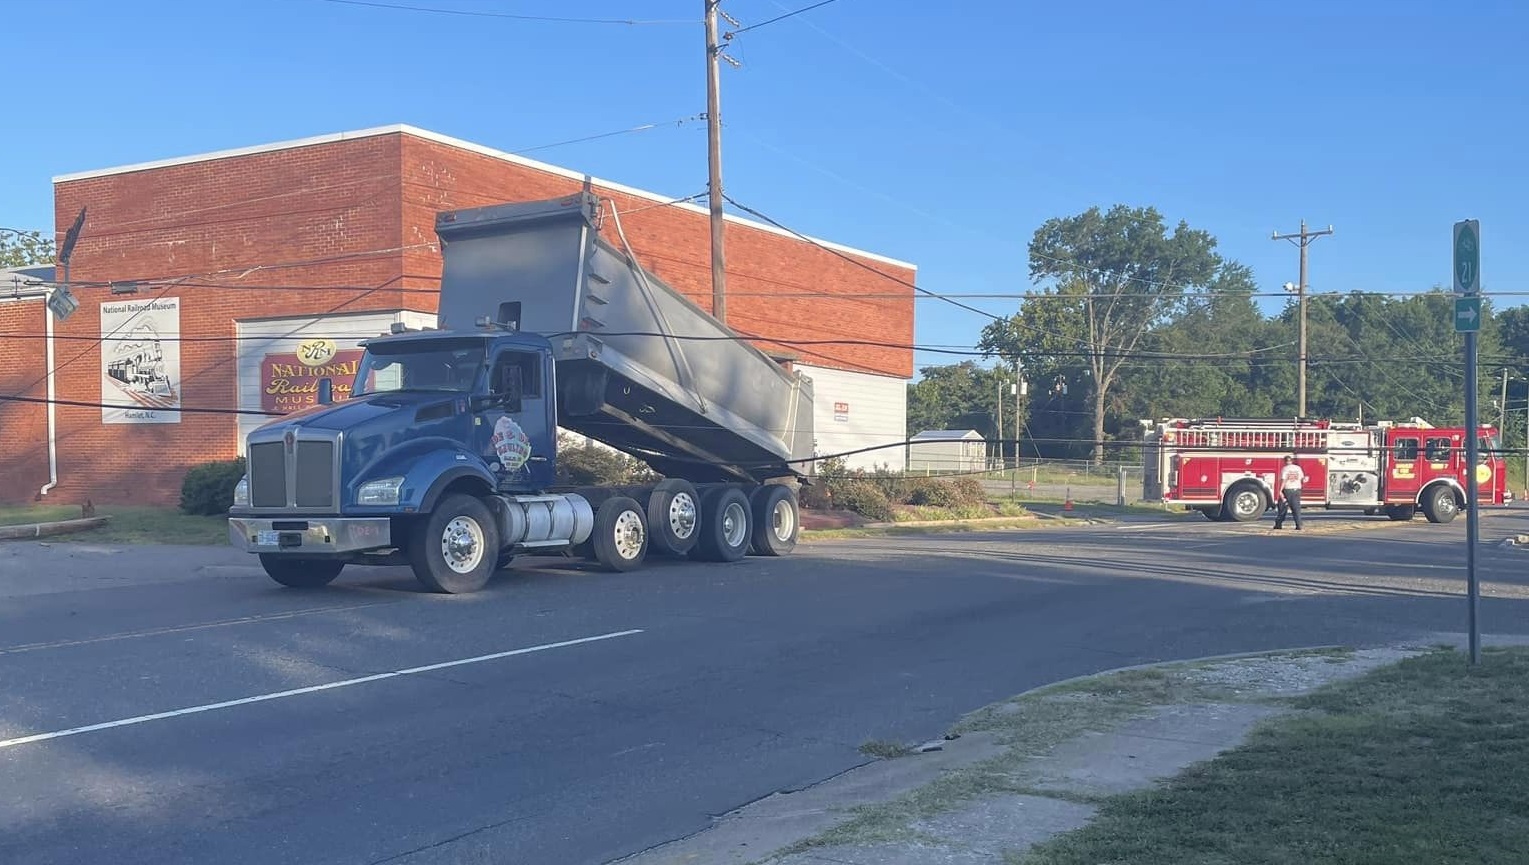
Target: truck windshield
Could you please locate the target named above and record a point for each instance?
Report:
(433, 366)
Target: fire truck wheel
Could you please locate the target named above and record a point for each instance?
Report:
(1400, 513)
(1439, 504)
(1244, 503)
(1213, 513)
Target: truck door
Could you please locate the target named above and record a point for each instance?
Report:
(514, 427)
(1403, 468)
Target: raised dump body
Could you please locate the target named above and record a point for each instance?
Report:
(639, 366)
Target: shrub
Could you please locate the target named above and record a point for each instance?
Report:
(864, 498)
(970, 490)
(208, 489)
(598, 466)
(933, 492)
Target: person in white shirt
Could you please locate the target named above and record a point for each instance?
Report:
(1290, 478)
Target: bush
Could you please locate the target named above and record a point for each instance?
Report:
(933, 492)
(864, 498)
(970, 490)
(598, 466)
(208, 489)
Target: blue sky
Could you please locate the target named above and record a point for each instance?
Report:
(943, 134)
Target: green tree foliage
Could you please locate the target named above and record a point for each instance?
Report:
(1110, 278)
(1138, 322)
(24, 248)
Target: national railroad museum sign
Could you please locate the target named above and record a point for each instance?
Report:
(289, 381)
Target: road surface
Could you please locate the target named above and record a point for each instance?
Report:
(172, 705)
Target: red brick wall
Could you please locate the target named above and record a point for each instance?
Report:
(284, 232)
(23, 465)
(199, 232)
(777, 286)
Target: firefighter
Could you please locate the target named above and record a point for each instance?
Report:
(1290, 478)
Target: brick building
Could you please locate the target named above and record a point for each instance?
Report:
(229, 282)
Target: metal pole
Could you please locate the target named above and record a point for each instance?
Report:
(1301, 297)
(1472, 447)
(1502, 405)
(714, 161)
(1000, 423)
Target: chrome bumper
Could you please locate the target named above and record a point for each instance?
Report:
(306, 536)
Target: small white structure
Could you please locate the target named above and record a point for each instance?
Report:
(940, 451)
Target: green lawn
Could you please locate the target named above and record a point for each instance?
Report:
(128, 524)
(1423, 762)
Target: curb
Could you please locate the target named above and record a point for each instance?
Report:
(43, 530)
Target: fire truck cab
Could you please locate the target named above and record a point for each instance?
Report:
(1228, 469)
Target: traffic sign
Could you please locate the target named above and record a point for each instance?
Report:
(62, 303)
(1468, 314)
(1468, 256)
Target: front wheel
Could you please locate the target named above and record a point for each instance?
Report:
(455, 549)
(1439, 506)
(1244, 503)
(301, 573)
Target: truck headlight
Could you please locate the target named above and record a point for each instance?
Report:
(242, 492)
(383, 491)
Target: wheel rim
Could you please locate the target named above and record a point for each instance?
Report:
(682, 512)
(1445, 504)
(735, 524)
(462, 544)
(783, 520)
(628, 535)
(1246, 502)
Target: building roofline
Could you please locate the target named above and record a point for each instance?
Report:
(427, 135)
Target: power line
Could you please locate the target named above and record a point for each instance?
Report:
(508, 15)
(640, 128)
(730, 34)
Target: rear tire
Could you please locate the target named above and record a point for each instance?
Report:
(620, 537)
(674, 516)
(301, 573)
(726, 525)
(777, 520)
(455, 549)
(1439, 505)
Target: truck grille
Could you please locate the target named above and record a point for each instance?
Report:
(268, 475)
(314, 474)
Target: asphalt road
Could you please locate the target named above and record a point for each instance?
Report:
(150, 688)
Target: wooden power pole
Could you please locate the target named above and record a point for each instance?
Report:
(714, 160)
(1302, 240)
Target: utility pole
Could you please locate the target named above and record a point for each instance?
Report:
(714, 160)
(1302, 240)
(999, 415)
(1502, 406)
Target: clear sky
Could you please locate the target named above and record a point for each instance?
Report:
(939, 133)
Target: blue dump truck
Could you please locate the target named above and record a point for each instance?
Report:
(445, 456)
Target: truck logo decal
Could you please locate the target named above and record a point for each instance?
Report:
(510, 444)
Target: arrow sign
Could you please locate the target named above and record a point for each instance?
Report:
(1468, 256)
(1467, 314)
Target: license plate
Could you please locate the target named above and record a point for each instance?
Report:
(266, 539)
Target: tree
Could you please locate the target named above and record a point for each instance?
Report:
(959, 393)
(1113, 276)
(24, 248)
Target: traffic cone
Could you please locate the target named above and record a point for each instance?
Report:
(1067, 504)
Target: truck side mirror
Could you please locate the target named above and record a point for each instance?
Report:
(326, 391)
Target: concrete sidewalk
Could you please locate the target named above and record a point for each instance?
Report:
(1027, 769)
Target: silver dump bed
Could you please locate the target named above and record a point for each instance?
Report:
(639, 366)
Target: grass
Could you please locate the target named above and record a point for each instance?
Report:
(129, 524)
(990, 525)
(1423, 761)
(884, 749)
(1026, 725)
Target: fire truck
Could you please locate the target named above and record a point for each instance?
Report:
(1228, 468)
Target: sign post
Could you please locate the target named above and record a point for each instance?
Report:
(1467, 268)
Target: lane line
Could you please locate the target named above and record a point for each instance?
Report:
(177, 629)
(311, 689)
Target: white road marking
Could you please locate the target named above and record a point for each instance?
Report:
(295, 692)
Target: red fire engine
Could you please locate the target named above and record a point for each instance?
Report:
(1227, 469)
